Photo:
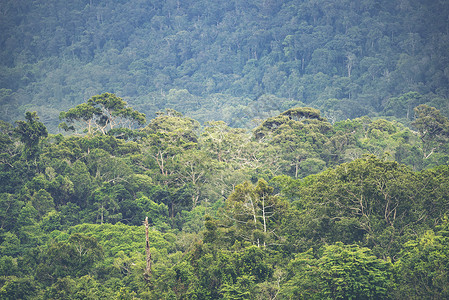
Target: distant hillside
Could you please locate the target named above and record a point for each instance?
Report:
(225, 60)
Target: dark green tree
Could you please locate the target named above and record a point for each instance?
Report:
(31, 133)
(423, 266)
(339, 272)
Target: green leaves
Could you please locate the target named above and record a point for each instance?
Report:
(423, 266)
(43, 202)
(75, 257)
(13, 287)
(339, 272)
(240, 290)
(31, 132)
(186, 180)
(368, 200)
(102, 113)
(255, 213)
(433, 128)
(291, 138)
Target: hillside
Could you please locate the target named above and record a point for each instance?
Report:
(225, 60)
(297, 207)
(240, 149)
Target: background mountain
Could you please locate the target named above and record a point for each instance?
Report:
(290, 149)
(225, 60)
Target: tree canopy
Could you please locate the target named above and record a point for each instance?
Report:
(296, 208)
(229, 61)
(224, 149)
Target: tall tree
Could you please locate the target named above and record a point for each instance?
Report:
(339, 272)
(422, 270)
(102, 113)
(433, 128)
(31, 132)
(255, 212)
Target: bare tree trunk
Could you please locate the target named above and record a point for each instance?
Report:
(147, 272)
(264, 219)
(255, 218)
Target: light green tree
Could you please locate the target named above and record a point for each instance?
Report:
(102, 113)
(338, 272)
(255, 212)
(423, 266)
(433, 128)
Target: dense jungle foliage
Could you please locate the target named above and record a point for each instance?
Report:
(293, 149)
(233, 61)
(297, 208)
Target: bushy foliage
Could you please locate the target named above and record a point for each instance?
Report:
(230, 61)
(296, 208)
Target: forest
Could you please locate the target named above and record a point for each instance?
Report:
(296, 208)
(232, 61)
(241, 149)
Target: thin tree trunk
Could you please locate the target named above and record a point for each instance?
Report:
(264, 219)
(147, 272)
(255, 219)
